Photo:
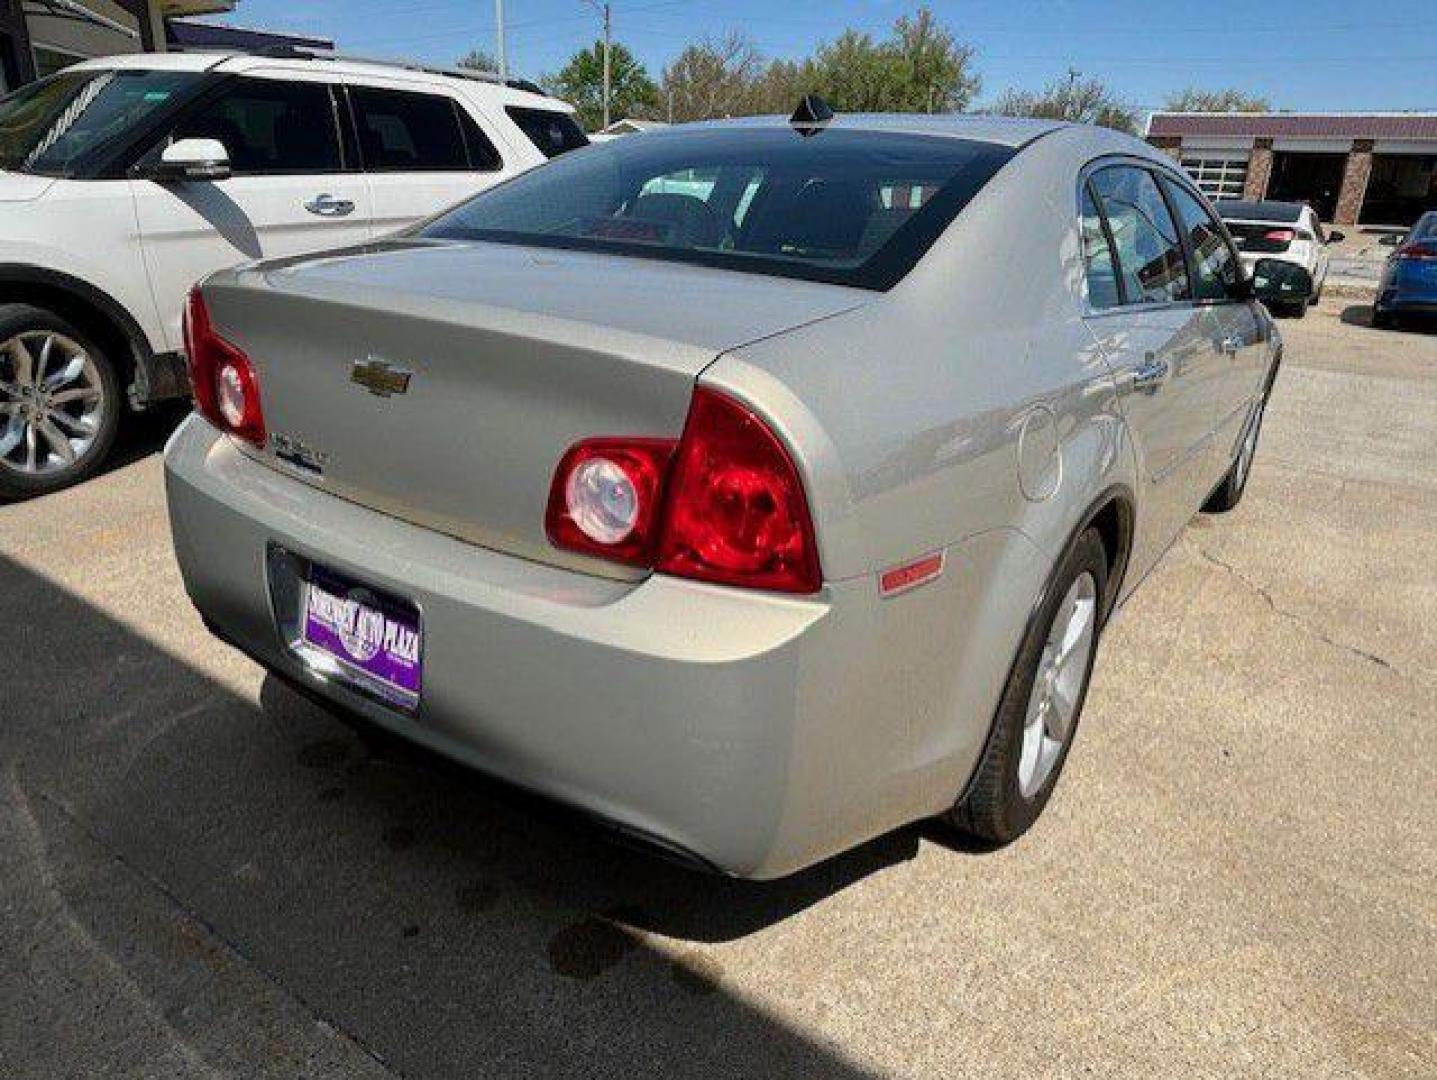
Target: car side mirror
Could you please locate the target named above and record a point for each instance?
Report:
(1390, 240)
(194, 159)
(1276, 281)
(1336, 237)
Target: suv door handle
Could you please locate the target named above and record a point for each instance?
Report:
(327, 205)
(1149, 375)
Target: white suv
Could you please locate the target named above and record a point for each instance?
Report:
(124, 181)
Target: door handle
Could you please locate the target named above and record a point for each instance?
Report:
(327, 205)
(1149, 375)
(1231, 345)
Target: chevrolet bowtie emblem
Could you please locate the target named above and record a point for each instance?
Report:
(380, 377)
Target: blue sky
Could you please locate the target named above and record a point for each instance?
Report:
(1300, 54)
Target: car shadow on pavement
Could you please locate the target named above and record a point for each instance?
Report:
(1361, 315)
(145, 433)
(1357, 315)
(439, 923)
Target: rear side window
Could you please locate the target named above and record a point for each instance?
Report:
(483, 157)
(1099, 266)
(1150, 255)
(1214, 266)
(406, 132)
(269, 127)
(554, 133)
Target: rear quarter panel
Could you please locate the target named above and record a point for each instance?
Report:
(967, 411)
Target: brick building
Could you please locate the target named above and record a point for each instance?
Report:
(1354, 168)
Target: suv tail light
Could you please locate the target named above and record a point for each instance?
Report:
(1279, 236)
(723, 504)
(1420, 250)
(221, 376)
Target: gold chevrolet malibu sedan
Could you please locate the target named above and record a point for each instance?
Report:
(756, 487)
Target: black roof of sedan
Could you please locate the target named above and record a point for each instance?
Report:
(1267, 210)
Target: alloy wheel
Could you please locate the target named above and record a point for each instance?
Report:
(52, 403)
(1058, 686)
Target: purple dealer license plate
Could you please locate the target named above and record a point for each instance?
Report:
(374, 639)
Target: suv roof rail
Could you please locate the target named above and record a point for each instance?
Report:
(303, 52)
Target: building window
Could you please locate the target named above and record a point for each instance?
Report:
(1218, 177)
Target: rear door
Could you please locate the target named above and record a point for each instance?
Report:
(1157, 341)
(1230, 324)
(422, 151)
(291, 188)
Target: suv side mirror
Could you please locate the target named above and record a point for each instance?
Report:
(194, 159)
(1276, 281)
(1336, 237)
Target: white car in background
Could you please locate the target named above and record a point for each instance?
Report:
(124, 181)
(1286, 231)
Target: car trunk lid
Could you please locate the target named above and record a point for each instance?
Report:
(441, 383)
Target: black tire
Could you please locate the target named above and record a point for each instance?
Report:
(994, 808)
(16, 481)
(1297, 309)
(1229, 493)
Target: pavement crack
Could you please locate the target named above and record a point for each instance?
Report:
(208, 927)
(1301, 621)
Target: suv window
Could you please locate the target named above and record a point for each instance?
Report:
(1214, 266)
(483, 156)
(401, 131)
(554, 133)
(1150, 256)
(1104, 289)
(58, 126)
(270, 127)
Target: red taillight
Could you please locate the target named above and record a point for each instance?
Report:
(1420, 251)
(725, 504)
(1279, 236)
(221, 376)
(736, 512)
(606, 496)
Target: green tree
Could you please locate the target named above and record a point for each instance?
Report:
(1191, 99)
(1082, 102)
(479, 60)
(919, 67)
(935, 71)
(712, 78)
(581, 83)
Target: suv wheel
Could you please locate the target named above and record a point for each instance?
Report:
(60, 403)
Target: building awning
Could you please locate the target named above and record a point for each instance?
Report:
(1294, 125)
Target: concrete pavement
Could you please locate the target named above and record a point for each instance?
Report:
(202, 874)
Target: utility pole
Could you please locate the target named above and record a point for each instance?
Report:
(1073, 76)
(503, 55)
(606, 12)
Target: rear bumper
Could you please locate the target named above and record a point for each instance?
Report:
(1391, 301)
(739, 727)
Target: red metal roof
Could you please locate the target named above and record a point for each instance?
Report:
(1296, 125)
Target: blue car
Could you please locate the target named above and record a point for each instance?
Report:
(1409, 282)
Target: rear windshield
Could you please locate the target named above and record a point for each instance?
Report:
(848, 207)
(554, 133)
(1261, 239)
